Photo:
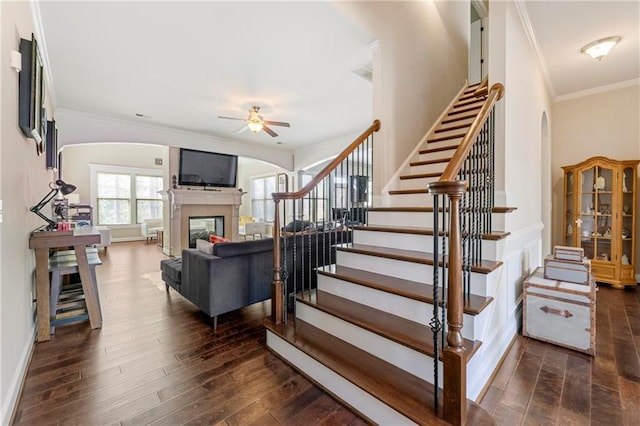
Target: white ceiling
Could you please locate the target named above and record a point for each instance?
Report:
(562, 28)
(181, 64)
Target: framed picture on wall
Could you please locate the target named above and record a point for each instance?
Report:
(283, 182)
(31, 92)
(52, 145)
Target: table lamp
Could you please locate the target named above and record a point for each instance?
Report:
(58, 186)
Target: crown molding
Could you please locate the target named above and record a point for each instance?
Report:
(528, 29)
(42, 49)
(480, 7)
(596, 90)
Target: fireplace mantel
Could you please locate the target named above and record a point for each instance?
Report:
(187, 202)
(217, 197)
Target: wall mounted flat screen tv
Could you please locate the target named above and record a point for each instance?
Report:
(201, 168)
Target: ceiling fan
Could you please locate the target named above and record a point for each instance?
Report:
(255, 122)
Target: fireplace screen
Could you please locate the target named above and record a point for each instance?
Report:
(201, 227)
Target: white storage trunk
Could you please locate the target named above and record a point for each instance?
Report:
(564, 270)
(574, 254)
(558, 312)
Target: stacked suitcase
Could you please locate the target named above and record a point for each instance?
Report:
(560, 301)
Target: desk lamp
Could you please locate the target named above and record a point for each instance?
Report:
(58, 186)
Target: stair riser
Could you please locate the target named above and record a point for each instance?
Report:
(407, 270)
(344, 390)
(413, 200)
(437, 154)
(418, 219)
(490, 249)
(420, 183)
(427, 168)
(407, 359)
(411, 309)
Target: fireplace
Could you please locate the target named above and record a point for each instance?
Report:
(220, 207)
(201, 227)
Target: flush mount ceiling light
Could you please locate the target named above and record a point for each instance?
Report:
(600, 48)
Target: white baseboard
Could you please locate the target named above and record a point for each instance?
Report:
(11, 398)
(125, 239)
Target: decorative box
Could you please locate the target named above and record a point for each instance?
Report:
(574, 254)
(558, 312)
(565, 270)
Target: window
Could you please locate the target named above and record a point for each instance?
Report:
(262, 206)
(148, 201)
(114, 196)
(126, 196)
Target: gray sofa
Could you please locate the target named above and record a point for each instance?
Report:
(238, 274)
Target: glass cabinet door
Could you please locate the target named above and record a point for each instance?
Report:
(569, 211)
(596, 192)
(627, 217)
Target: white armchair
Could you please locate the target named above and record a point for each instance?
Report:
(149, 228)
(253, 229)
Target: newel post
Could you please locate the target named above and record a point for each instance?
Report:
(454, 357)
(276, 284)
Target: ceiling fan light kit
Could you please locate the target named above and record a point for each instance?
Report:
(255, 122)
(600, 48)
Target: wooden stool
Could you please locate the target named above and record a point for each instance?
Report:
(67, 302)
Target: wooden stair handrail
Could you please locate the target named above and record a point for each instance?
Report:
(495, 94)
(277, 298)
(483, 88)
(277, 196)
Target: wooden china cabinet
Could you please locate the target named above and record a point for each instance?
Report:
(599, 216)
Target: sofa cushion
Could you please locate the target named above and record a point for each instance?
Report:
(204, 246)
(242, 247)
(172, 268)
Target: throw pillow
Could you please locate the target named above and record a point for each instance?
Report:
(216, 239)
(204, 246)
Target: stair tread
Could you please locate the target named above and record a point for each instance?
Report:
(426, 162)
(397, 388)
(493, 236)
(463, 110)
(473, 305)
(484, 267)
(446, 138)
(421, 176)
(457, 118)
(468, 101)
(497, 209)
(416, 336)
(453, 127)
(438, 149)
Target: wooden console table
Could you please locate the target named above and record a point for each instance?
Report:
(41, 242)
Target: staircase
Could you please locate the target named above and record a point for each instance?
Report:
(364, 333)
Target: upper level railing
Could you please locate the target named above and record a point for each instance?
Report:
(309, 223)
(463, 200)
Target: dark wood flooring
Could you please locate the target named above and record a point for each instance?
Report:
(157, 360)
(543, 384)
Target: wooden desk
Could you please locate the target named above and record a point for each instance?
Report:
(41, 242)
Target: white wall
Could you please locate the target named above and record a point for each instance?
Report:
(247, 169)
(421, 63)
(24, 181)
(603, 124)
(75, 170)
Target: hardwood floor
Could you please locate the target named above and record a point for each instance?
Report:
(543, 384)
(157, 360)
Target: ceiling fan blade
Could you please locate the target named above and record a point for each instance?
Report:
(243, 129)
(232, 118)
(277, 123)
(268, 130)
